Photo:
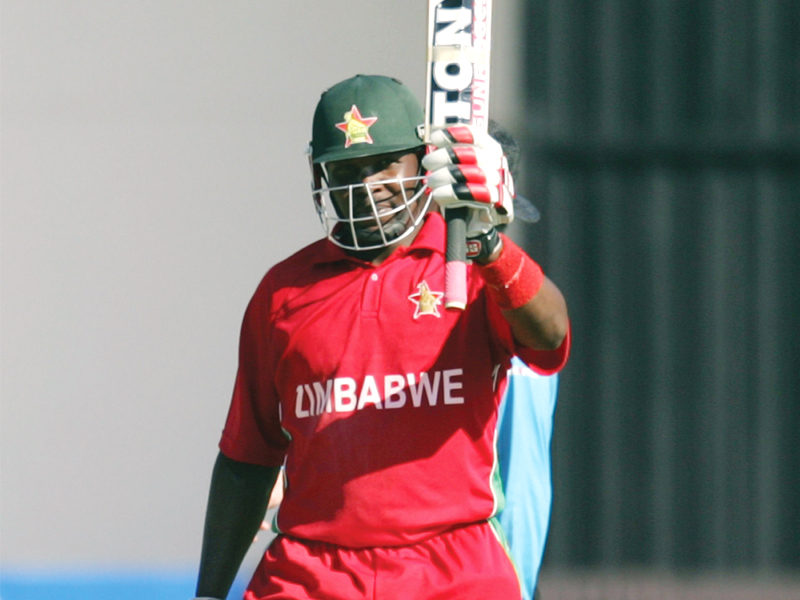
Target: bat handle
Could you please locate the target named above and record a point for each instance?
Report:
(455, 269)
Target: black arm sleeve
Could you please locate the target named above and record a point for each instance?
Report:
(237, 502)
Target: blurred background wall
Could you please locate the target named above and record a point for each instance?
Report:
(662, 139)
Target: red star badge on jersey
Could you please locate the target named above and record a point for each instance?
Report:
(356, 127)
(426, 301)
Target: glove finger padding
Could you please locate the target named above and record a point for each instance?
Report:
(460, 155)
(464, 135)
(463, 174)
(471, 195)
(468, 169)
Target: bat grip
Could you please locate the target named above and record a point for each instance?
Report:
(455, 269)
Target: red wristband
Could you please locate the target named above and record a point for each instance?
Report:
(514, 278)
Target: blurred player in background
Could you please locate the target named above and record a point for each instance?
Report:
(524, 435)
(381, 404)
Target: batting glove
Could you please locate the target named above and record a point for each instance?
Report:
(468, 169)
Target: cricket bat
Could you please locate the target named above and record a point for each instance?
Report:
(457, 91)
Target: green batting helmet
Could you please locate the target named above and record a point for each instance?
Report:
(363, 116)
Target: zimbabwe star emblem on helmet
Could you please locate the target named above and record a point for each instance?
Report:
(356, 127)
(426, 301)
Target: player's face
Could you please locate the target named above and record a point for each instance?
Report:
(381, 184)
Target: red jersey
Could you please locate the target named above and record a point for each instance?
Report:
(382, 404)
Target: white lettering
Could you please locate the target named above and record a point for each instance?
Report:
(450, 386)
(432, 391)
(393, 394)
(344, 389)
(345, 394)
(323, 396)
(369, 393)
(310, 395)
(298, 405)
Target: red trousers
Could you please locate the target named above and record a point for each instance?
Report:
(468, 563)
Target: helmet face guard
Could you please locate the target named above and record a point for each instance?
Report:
(354, 220)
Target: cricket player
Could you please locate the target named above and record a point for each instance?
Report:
(381, 405)
(525, 431)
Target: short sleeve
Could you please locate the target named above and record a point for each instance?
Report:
(547, 362)
(544, 362)
(253, 432)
